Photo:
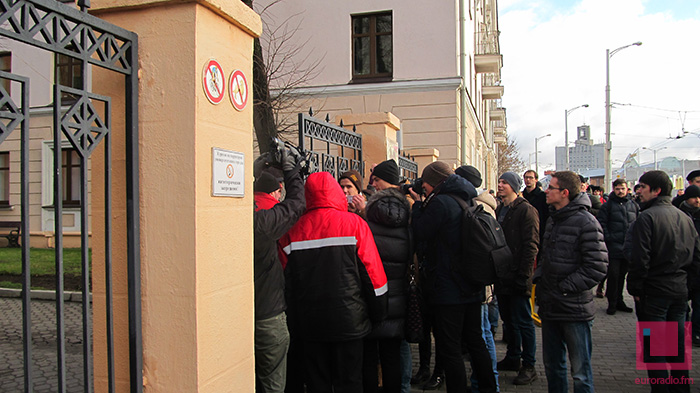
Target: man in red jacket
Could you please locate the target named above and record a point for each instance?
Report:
(335, 285)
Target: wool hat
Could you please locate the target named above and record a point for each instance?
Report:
(692, 175)
(583, 179)
(470, 173)
(387, 171)
(266, 183)
(354, 177)
(513, 180)
(692, 191)
(436, 172)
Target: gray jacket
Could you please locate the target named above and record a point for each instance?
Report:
(574, 260)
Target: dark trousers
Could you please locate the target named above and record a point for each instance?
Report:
(333, 366)
(617, 271)
(387, 352)
(655, 308)
(425, 350)
(454, 323)
(517, 318)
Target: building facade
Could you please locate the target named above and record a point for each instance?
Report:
(435, 65)
(584, 155)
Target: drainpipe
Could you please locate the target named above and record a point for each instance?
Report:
(464, 75)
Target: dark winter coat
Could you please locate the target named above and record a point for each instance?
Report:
(595, 204)
(574, 260)
(436, 227)
(538, 199)
(521, 227)
(693, 212)
(615, 217)
(665, 249)
(271, 220)
(335, 278)
(388, 213)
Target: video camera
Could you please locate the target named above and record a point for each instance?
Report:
(275, 156)
(416, 186)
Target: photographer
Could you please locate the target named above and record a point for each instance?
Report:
(271, 220)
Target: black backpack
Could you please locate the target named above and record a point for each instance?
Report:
(485, 255)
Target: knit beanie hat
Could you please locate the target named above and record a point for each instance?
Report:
(387, 171)
(436, 172)
(354, 177)
(266, 183)
(470, 173)
(692, 191)
(512, 178)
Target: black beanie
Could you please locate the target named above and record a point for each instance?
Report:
(387, 171)
(436, 172)
(266, 183)
(692, 191)
(470, 173)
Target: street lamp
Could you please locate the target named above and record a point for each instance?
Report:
(566, 131)
(537, 168)
(656, 166)
(529, 159)
(608, 146)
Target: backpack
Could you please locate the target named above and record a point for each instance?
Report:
(485, 257)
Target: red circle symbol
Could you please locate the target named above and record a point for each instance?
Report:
(214, 82)
(229, 171)
(238, 89)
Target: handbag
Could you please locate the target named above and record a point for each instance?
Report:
(414, 313)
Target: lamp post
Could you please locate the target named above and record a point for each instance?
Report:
(566, 131)
(608, 146)
(537, 167)
(529, 159)
(656, 165)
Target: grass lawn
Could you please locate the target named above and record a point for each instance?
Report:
(41, 261)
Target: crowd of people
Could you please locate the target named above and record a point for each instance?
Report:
(334, 263)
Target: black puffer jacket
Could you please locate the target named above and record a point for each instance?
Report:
(538, 199)
(574, 260)
(521, 226)
(436, 227)
(665, 249)
(615, 217)
(388, 213)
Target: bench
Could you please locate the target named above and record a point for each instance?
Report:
(13, 236)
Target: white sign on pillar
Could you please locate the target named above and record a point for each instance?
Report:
(228, 173)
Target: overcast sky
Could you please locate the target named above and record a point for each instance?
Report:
(554, 60)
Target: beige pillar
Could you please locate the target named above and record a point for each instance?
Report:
(423, 157)
(196, 249)
(378, 132)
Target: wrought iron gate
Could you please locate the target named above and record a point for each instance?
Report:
(82, 121)
(334, 149)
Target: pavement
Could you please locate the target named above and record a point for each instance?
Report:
(614, 365)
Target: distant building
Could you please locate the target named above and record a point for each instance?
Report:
(583, 155)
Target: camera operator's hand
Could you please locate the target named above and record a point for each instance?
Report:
(260, 164)
(289, 161)
(414, 195)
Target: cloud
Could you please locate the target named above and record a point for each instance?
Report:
(554, 59)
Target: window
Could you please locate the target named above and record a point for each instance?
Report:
(4, 178)
(70, 177)
(6, 65)
(69, 72)
(372, 50)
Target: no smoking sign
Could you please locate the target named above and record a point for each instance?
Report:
(238, 89)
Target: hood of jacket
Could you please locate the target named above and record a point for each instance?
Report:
(389, 208)
(487, 199)
(581, 202)
(457, 185)
(323, 191)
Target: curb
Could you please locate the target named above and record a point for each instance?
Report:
(43, 295)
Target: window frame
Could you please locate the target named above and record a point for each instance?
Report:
(6, 202)
(6, 65)
(67, 65)
(373, 75)
(67, 166)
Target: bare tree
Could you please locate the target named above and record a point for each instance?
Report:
(509, 157)
(278, 70)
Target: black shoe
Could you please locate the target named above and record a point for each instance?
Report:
(526, 375)
(696, 341)
(422, 376)
(508, 364)
(611, 310)
(623, 307)
(599, 293)
(435, 382)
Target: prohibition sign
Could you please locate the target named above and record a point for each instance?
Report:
(238, 89)
(229, 171)
(213, 82)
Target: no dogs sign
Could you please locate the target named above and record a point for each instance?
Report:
(238, 89)
(213, 81)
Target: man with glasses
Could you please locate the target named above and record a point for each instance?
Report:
(574, 260)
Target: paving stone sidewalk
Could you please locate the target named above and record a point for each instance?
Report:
(614, 351)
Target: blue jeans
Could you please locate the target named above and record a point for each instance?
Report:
(406, 367)
(490, 346)
(517, 318)
(557, 338)
(655, 308)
